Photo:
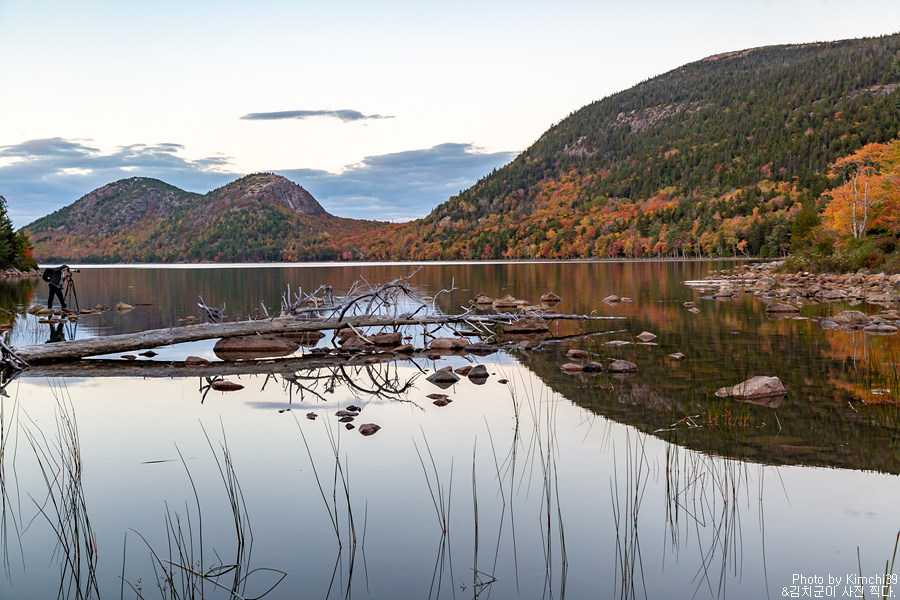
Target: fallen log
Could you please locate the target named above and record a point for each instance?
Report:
(127, 342)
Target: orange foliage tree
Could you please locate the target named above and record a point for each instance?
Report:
(859, 198)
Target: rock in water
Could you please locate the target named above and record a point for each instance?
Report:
(448, 344)
(369, 428)
(779, 307)
(479, 372)
(622, 366)
(755, 387)
(443, 378)
(646, 336)
(226, 386)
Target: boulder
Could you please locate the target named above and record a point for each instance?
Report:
(368, 429)
(755, 387)
(576, 354)
(443, 378)
(779, 307)
(304, 338)
(507, 302)
(850, 317)
(592, 367)
(124, 307)
(550, 297)
(448, 344)
(482, 299)
(526, 325)
(254, 346)
(479, 372)
(195, 361)
(387, 339)
(881, 329)
(622, 366)
(464, 370)
(571, 367)
(223, 385)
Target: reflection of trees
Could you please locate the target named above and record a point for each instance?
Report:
(818, 423)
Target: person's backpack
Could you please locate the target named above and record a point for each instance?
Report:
(47, 273)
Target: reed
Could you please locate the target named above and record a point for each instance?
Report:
(63, 503)
(184, 572)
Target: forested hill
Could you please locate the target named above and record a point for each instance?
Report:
(261, 217)
(714, 157)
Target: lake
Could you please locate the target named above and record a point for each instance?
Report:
(129, 480)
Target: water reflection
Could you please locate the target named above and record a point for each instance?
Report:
(536, 483)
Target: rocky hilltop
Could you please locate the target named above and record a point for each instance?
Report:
(260, 217)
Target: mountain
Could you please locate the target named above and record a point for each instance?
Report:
(261, 217)
(713, 158)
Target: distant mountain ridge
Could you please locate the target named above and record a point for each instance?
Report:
(260, 217)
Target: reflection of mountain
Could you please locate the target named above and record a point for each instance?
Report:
(819, 423)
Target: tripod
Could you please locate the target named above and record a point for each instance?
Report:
(69, 291)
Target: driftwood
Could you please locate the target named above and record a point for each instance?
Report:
(390, 305)
(126, 342)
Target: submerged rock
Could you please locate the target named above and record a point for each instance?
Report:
(646, 336)
(576, 354)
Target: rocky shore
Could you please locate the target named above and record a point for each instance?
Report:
(762, 280)
(17, 274)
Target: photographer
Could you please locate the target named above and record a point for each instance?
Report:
(54, 277)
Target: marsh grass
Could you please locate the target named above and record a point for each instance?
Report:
(340, 487)
(62, 503)
(185, 570)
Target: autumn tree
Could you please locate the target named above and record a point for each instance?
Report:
(856, 200)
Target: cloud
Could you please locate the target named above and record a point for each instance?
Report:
(344, 115)
(402, 185)
(40, 176)
(43, 175)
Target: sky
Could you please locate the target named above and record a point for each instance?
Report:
(382, 110)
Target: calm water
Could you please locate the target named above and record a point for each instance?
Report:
(536, 484)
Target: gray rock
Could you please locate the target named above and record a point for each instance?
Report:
(478, 372)
(755, 387)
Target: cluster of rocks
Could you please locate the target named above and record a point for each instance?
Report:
(763, 281)
(508, 302)
(581, 361)
(13, 273)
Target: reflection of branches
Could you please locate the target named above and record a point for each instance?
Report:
(384, 381)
